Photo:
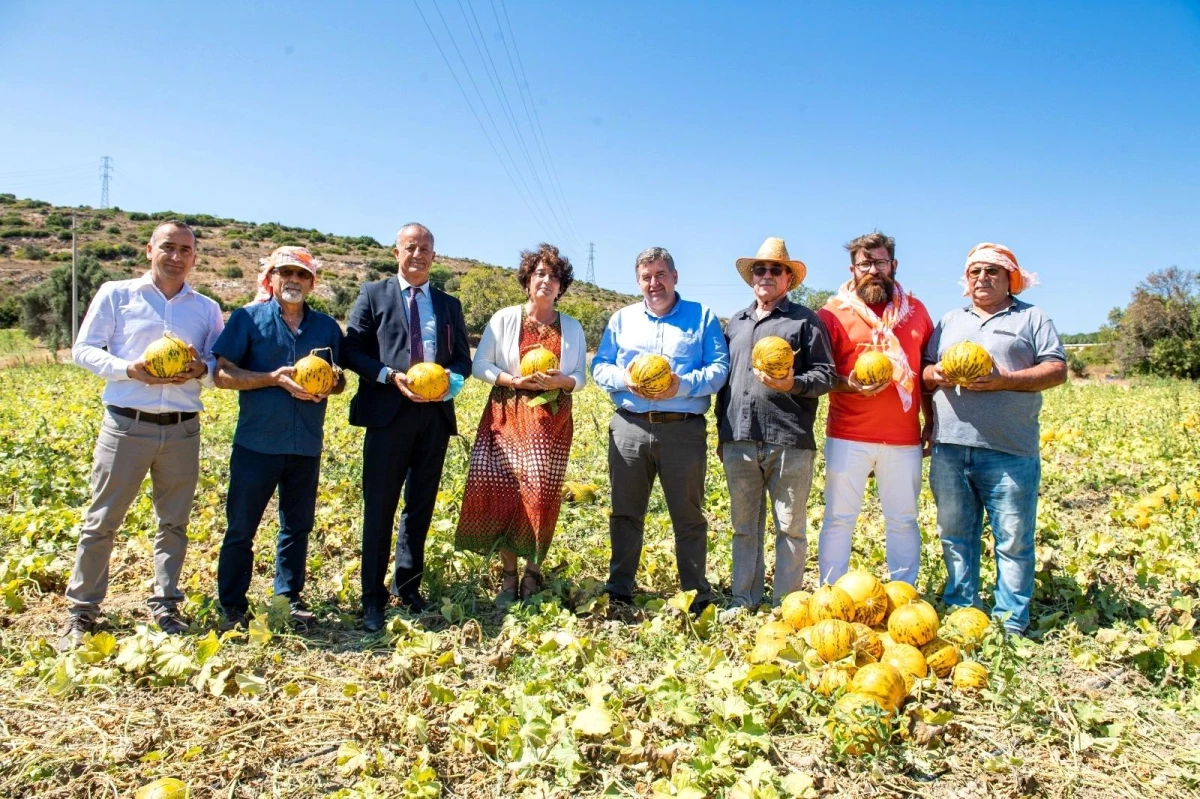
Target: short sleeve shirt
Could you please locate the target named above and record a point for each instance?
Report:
(1017, 338)
(270, 420)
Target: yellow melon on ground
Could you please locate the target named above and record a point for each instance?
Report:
(941, 655)
(794, 610)
(969, 676)
(881, 680)
(867, 640)
(909, 661)
(899, 593)
(859, 722)
(970, 624)
(833, 639)
(831, 602)
(773, 630)
(915, 623)
(870, 600)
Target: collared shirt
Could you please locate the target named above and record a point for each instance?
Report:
(127, 316)
(424, 312)
(689, 336)
(749, 411)
(270, 420)
(1018, 337)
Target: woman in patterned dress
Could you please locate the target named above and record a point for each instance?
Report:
(514, 486)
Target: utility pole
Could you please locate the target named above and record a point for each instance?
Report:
(75, 278)
(106, 168)
(590, 277)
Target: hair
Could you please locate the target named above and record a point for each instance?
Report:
(417, 225)
(652, 254)
(547, 254)
(872, 241)
(172, 223)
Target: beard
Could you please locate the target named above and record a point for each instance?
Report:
(291, 294)
(875, 290)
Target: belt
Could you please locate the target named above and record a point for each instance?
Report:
(164, 419)
(658, 417)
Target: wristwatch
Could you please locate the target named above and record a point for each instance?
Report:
(391, 376)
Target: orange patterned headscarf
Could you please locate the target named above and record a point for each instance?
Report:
(999, 255)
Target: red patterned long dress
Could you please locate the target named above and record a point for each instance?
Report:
(514, 486)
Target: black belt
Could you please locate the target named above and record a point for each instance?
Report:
(164, 419)
(658, 417)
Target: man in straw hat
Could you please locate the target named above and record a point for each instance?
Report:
(280, 430)
(986, 445)
(765, 425)
(874, 428)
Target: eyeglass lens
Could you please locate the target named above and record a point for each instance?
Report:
(775, 271)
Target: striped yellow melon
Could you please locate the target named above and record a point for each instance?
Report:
(766, 650)
(650, 374)
(941, 655)
(833, 639)
(859, 722)
(867, 640)
(883, 681)
(969, 676)
(428, 380)
(872, 368)
(909, 661)
(167, 356)
(971, 622)
(870, 600)
(885, 638)
(915, 623)
(899, 593)
(829, 680)
(538, 359)
(794, 610)
(772, 355)
(966, 361)
(313, 373)
(831, 602)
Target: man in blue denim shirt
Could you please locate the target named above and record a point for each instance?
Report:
(280, 430)
(985, 438)
(663, 435)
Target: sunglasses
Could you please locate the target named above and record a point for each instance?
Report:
(287, 272)
(775, 270)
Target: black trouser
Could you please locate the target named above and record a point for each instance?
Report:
(409, 452)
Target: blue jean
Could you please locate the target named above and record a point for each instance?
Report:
(753, 470)
(966, 482)
(253, 479)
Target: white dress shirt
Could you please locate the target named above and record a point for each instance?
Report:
(127, 316)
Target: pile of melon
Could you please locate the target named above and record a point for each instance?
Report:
(872, 645)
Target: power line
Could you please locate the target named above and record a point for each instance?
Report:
(106, 168)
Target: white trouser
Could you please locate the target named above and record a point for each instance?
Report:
(898, 477)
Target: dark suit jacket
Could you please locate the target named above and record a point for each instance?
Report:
(377, 336)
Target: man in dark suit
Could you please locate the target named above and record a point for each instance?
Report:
(398, 322)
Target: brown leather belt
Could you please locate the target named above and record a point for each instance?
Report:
(162, 419)
(658, 417)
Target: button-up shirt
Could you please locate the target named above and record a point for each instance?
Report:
(270, 420)
(127, 316)
(749, 411)
(689, 336)
(424, 313)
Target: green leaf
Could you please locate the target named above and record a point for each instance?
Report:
(207, 646)
(682, 601)
(250, 683)
(593, 721)
(260, 633)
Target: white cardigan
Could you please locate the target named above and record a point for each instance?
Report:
(500, 348)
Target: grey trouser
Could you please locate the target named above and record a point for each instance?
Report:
(676, 452)
(753, 470)
(125, 451)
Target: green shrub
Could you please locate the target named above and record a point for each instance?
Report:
(61, 255)
(232, 270)
(90, 225)
(1176, 357)
(439, 275)
(65, 235)
(5, 249)
(235, 245)
(382, 266)
(58, 220)
(7, 199)
(110, 252)
(10, 311)
(31, 252)
(24, 233)
(138, 216)
(46, 308)
(11, 220)
(113, 230)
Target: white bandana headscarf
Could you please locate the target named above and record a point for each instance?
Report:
(999, 255)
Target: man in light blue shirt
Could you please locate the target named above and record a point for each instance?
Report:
(665, 434)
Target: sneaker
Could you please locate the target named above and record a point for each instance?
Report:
(414, 602)
(373, 619)
(699, 606)
(234, 620)
(77, 626)
(302, 618)
(732, 614)
(615, 598)
(170, 622)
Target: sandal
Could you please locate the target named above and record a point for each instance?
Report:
(508, 589)
(531, 582)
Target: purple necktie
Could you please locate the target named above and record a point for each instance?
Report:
(416, 347)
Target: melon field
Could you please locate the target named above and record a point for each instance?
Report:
(564, 696)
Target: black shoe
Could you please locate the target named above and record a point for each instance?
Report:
(414, 602)
(699, 605)
(233, 620)
(302, 618)
(373, 619)
(77, 627)
(170, 622)
(615, 598)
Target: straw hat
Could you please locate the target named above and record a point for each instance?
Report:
(773, 251)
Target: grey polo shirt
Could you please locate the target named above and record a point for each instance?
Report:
(749, 411)
(1018, 337)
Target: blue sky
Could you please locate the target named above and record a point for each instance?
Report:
(1067, 131)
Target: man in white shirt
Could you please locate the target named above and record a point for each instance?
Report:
(150, 423)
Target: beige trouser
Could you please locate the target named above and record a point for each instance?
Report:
(125, 451)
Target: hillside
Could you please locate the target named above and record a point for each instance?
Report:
(35, 237)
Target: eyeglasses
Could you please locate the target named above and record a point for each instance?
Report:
(878, 266)
(977, 272)
(288, 272)
(775, 270)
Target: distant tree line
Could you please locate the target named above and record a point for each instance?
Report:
(1158, 332)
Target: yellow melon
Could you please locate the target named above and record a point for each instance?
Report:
(941, 655)
(965, 361)
(872, 368)
(867, 640)
(859, 722)
(870, 600)
(899, 593)
(915, 623)
(772, 355)
(969, 676)
(794, 610)
(538, 359)
(833, 639)
(970, 624)
(828, 681)
(883, 681)
(167, 356)
(650, 374)
(773, 630)
(428, 380)
(831, 602)
(314, 374)
(909, 661)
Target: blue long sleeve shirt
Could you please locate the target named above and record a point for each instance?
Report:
(689, 336)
